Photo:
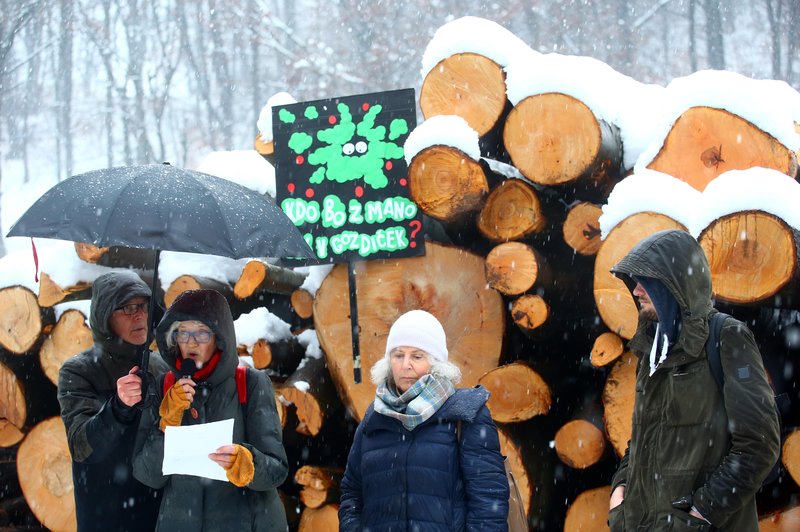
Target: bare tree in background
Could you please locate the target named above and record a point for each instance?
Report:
(714, 38)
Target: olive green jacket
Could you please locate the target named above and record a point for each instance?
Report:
(690, 440)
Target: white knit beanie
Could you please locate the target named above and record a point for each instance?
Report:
(420, 329)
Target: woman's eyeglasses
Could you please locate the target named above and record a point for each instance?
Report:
(201, 337)
(132, 308)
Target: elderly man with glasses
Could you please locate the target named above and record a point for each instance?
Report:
(99, 391)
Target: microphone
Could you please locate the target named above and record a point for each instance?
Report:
(188, 367)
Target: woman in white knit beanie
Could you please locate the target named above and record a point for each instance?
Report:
(426, 455)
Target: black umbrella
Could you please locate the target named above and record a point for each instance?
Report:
(164, 208)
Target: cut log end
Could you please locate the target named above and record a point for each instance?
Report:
(69, 337)
(13, 410)
(302, 303)
(512, 212)
(20, 321)
(607, 348)
(589, 511)
(511, 268)
(704, 142)
(613, 299)
(619, 393)
(44, 469)
(790, 456)
(447, 184)
(580, 444)
(468, 85)
(529, 312)
(751, 254)
(517, 393)
(582, 228)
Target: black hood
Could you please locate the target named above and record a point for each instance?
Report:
(211, 308)
(110, 291)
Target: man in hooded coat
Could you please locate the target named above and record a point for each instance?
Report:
(99, 391)
(697, 454)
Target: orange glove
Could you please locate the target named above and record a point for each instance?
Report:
(241, 470)
(173, 405)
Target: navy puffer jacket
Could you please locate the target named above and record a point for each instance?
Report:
(425, 480)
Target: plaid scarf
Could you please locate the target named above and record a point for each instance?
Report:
(417, 404)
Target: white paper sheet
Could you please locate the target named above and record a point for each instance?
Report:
(186, 449)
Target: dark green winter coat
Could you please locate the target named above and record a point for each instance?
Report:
(100, 428)
(689, 439)
(195, 504)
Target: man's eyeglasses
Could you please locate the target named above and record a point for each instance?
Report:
(201, 337)
(132, 308)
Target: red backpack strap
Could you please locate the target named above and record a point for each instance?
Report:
(241, 383)
(169, 381)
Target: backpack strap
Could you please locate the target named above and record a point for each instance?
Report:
(713, 347)
(241, 383)
(169, 381)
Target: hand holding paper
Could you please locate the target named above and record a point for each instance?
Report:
(187, 449)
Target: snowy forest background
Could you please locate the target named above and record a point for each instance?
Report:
(86, 84)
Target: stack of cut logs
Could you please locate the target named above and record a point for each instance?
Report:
(516, 271)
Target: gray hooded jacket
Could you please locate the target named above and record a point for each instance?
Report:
(100, 428)
(691, 443)
(193, 504)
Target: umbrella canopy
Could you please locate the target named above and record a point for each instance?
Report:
(162, 207)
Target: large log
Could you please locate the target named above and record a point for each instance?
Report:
(619, 393)
(51, 293)
(310, 389)
(192, 282)
(613, 299)
(517, 393)
(21, 319)
(705, 142)
(447, 185)
(258, 275)
(513, 453)
(44, 469)
(13, 410)
(116, 256)
(753, 257)
(589, 511)
(473, 87)
(70, 336)
(317, 519)
(555, 139)
(449, 282)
